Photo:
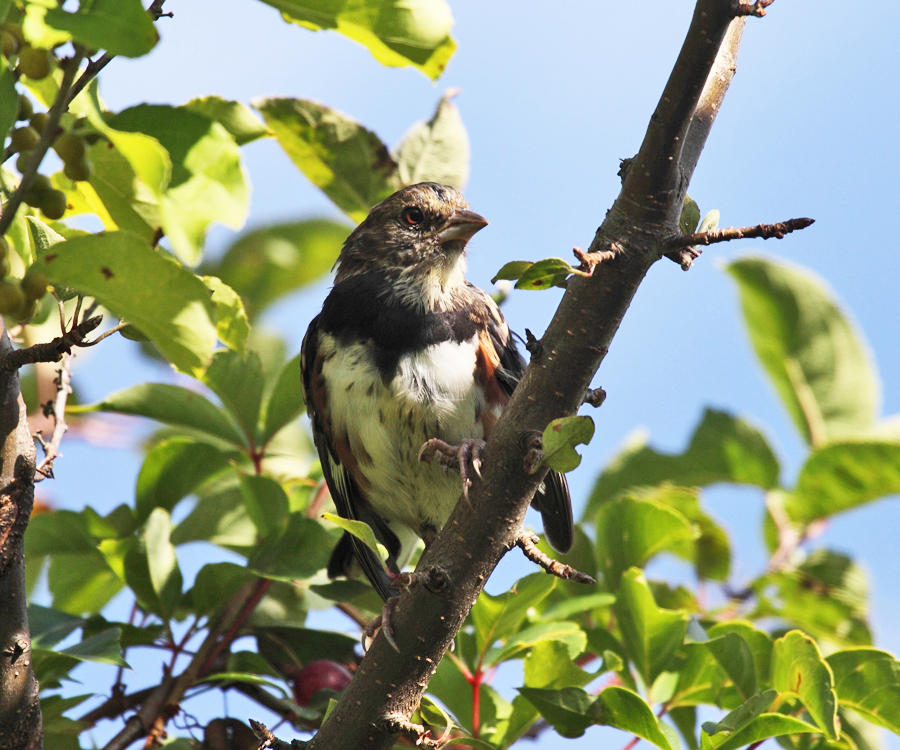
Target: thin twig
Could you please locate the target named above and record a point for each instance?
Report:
(528, 544)
(757, 9)
(51, 351)
(63, 382)
(106, 334)
(763, 231)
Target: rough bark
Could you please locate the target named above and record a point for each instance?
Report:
(20, 715)
(388, 685)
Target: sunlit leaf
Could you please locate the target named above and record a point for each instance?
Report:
(232, 324)
(868, 681)
(121, 27)
(361, 530)
(238, 381)
(798, 669)
(238, 119)
(690, 216)
(436, 150)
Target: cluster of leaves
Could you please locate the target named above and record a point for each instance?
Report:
(231, 468)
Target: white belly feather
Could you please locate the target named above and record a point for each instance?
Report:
(432, 394)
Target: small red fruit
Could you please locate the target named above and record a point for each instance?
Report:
(322, 674)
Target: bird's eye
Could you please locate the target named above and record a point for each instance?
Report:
(412, 216)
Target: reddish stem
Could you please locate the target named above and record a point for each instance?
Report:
(476, 701)
(261, 586)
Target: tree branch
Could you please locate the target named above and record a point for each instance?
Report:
(57, 410)
(390, 684)
(764, 231)
(50, 351)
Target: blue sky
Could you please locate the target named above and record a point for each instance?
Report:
(553, 95)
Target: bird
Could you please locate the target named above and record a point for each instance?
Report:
(406, 354)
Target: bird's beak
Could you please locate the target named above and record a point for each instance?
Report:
(461, 226)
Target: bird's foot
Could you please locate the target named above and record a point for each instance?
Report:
(404, 582)
(467, 457)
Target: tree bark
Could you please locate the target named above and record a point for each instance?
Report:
(388, 686)
(20, 713)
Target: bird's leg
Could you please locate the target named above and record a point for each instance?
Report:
(403, 582)
(467, 457)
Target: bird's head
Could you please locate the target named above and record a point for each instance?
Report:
(417, 235)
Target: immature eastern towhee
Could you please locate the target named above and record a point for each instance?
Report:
(406, 351)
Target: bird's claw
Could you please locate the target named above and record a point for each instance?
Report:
(467, 457)
(383, 622)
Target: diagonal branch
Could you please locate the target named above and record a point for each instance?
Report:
(389, 684)
(763, 231)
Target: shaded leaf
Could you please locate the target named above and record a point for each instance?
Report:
(740, 717)
(736, 660)
(238, 381)
(346, 161)
(621, 708)
(267, 263)
(220, 517)
(49, 626)
(631, 531)
(499, 617)
(397, 33)
(81, 583)
(723, 448)
(174, 312)
(151, 566)
(266, 502)
(566, 710)
(816, 359)
(173, 405)
(761, 728)
(300, 550)
(285, 403)
(436, 150)
(216, 582)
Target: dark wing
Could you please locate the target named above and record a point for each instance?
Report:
(348, 499)
(552, 499)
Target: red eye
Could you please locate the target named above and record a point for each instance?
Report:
(413, 216)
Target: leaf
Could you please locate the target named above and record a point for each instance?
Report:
(174, 311)
(621, 708)
(238, 119)
(566, 710)
(868, 681)
(631, 531)
(690, 215)
(651, 635)
(103, 648)
(208, 183)
(9, 101)
(566, 633)
(761, 728)
(798, 669)
(238, 381)
(512, 270)
(436, 150)
(842, 476)
(572, 605)
(173, 405)
(346, 161)
(710, 221)
(297, 551)
(266, 502)
(216, 582)
(268, 263)
(741, 716)
(151, 567)
(81, 583)
(121, 27)
(49, 626)
(816, 359)
(736, 660)
(723, 448)
(361, 530)
(499, 617)
(758, 641)
(544, 273)
(232, 324)
(220, 517)
(172, 469)
(560, 438)
(396, 33)
(285, 403)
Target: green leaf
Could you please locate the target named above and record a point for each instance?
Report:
(56, 533)
(499, 617)
(220, 517)
(232, 323)
(651, 634)
(710, 221)
(723, 448)
(544, 273)
(572, 605)
(266, 502)
(798, 669)
(868, 681)
(298, 551)
(49, 626)
(238, 119)
(818, 362)
(741, 716)
(621, 708)
(285, 403)
(761, 728)
(9, 101)
(436, 150)
(238, 381)
(121, 27)
(346, 161)
(173, 405)
(397, 32)
(172, 470)
(162, 562)
(758, 641)
(283, 647)
(631, 531)
(512, 270)
(208, 183)
(736, 660)
(268, 263)
(103, 648)
(361, 530)
(567, 633)
(81, 583)
(567, 710)
(166, 302)
(560, 438)
(690, 215)
(842, 476)
(216, 582)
